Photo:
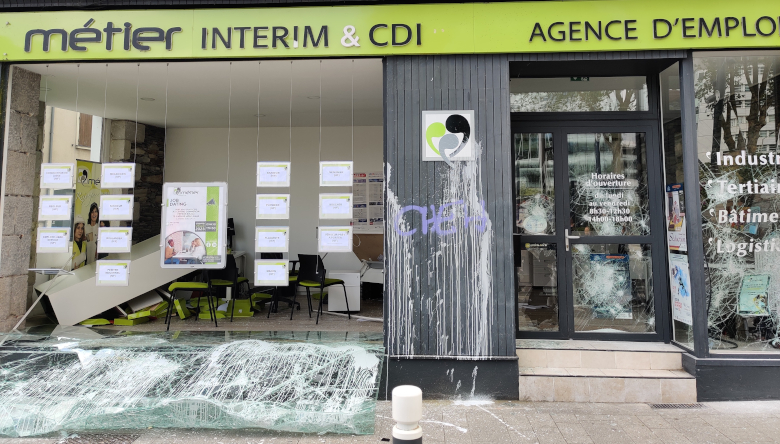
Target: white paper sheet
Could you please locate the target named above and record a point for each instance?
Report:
(56, 175)
(272, 239)
(53, 240)
(113, 273)
(271, 272)
(335, 239)
(118, 175)
(335, 206)
(273, 206)
(114, 240)
(116, 207)
(273, 174)
(336, 174)
(55, 208)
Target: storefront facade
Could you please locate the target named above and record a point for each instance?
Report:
(629, 108)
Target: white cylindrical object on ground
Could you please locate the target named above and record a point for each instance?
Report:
(407, 413)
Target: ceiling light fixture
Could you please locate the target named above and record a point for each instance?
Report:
(147, 99)
(259, 115)
(313, 97)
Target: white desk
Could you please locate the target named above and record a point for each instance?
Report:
(373, 272)
(336, 300)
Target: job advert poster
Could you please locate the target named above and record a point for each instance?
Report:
(194, 224)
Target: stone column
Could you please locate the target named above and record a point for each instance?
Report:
(21, 169)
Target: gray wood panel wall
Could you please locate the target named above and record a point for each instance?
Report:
(432, 322)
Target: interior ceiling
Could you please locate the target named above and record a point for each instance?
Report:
(199, 93)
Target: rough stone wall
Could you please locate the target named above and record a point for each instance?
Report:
(145, 146)
(22, 168)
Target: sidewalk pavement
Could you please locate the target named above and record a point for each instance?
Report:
(507, 422)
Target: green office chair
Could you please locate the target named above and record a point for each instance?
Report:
(191, 286)
(311, 274)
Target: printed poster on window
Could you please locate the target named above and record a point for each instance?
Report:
(194, 225)
(680, 285)
(368, 209)
(675, 217)
(616, 299)
(754, 295)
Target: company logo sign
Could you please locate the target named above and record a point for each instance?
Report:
(447, 136)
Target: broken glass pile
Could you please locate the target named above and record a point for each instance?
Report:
(299, 382)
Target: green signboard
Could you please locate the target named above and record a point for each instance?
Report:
(338, 31)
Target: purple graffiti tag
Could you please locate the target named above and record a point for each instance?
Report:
(434, 224)
(440, 218)
(423, 212)
(480, 219)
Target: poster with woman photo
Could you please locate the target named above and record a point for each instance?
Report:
(675, 217)
(86, 213)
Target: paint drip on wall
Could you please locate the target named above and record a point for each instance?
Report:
(440, 271)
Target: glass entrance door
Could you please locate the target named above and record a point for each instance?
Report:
(587, 225)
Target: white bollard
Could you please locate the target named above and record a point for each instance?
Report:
(407, 413)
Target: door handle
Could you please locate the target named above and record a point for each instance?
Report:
(567, 237)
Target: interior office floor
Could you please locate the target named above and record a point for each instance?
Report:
(456, 422)
(279, 321)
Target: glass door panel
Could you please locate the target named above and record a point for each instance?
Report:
(608, 184)
(537, 288)
(583, 250)
(534, 183)
(609, 211)
(613, 288)
(538, 306)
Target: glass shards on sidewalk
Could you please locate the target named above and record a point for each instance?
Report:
(79, 379)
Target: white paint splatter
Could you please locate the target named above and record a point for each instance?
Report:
(476, 401)
(459, 311)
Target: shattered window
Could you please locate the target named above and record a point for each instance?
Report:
(737, 104)
(296, 381)
(534, 183)
(613, 288)
(608, 184)
(676, 230)
(537, 288)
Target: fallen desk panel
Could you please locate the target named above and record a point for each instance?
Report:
(76, 297)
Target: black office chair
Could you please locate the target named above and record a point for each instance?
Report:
(192, 286)
(228, 277)
(312, 275)
(276, 291)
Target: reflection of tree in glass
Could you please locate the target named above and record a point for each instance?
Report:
(738, 107)
(571, 101)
